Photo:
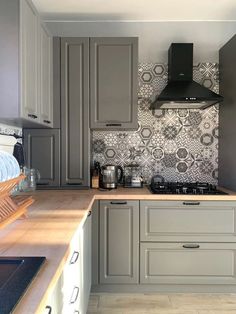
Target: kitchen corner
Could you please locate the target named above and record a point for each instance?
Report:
(121, 182)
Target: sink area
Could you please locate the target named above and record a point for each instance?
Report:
(16, 273)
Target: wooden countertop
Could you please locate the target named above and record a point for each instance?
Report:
(51, 223)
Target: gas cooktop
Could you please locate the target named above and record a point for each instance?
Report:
(196, 188)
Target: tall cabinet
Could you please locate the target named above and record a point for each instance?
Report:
(227, 113)
(75, 111)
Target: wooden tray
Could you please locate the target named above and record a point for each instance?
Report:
(10, 208)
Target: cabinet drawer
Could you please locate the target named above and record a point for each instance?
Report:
(71, 299)
(187, 221)
(178, 263)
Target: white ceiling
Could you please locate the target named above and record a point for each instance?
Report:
(137, 10)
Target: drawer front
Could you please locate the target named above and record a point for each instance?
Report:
(71, 301)
(187, 263)
(187, 221)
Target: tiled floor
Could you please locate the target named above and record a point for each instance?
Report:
(108, 303)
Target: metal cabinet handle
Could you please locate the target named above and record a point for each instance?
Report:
(89, 213)
(191, 203)
(42, 183)
(191, 246)
(118, 203)
(79, 183)
(74, 257)
(113, 124)
(47, 121)
(74, 296)
(33, 116)
(49, 308)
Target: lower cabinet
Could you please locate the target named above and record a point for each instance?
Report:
(119, 242)
(188, 263)
(71, 293)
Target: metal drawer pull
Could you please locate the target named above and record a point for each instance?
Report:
(74, 296)
(47, 121)
(191, 246)
(191, 203)
(118, 203)
(33, 116)
(78, 183)
(49, 308)
(89, 213)
(42, 183)
(74, 257)
(113, 124)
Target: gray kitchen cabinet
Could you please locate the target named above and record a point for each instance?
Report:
(205, 221)
(113, 83)
(227, 113)
(25, 65)
(119, 242)
(75, 111)
(46, 80)
(86, 263)
(188, 263)
(42, 150)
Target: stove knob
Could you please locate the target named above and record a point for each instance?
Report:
(185, 190)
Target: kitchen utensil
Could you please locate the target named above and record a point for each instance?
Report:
(111, 176)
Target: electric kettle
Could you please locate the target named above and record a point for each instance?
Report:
(110, 176)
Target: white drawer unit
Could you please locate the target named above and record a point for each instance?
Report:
(188, 263)
(188, 221)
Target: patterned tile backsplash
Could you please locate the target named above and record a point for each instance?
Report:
(178, 145)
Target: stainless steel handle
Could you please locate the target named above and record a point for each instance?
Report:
(74, 295)
(191, 203)
(47, 121)
(33, 116)
(42, 183)
(69, 183)
(113, 124)
(118, 203)
(49, 308)
(89, 213)
(74, 257)
(191, 246)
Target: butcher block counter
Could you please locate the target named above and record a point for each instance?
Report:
(51, 223)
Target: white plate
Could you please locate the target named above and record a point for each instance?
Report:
(9, 167)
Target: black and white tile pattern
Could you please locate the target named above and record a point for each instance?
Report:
(178, 145)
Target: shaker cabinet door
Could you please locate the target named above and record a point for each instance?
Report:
(42, 148)
(74, 111)
(29, 23)
(119, 242)
(113, 83)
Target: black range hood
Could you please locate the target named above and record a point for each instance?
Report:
(181, 91)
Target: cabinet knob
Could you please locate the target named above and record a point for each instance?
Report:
(33, 116)
(89, 213)
(49, 308)
(118, 203)
(74, 257)
(191, 246)
(47, 121)
(75, 294)
(113, 124)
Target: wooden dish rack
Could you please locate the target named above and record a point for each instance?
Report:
(12, 208)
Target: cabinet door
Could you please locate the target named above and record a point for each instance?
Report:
(42, 148)
(119, 242)
(113, 83)
(45, 75)
(29, 23)
(188, 263)
(205, 221)
(55, 301)
(86, 263)
(74, 111)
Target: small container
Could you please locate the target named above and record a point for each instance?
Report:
(132, 176)
(95, 176)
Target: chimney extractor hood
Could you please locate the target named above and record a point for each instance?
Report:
(181, 91)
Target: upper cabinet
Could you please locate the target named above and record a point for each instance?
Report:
(45, 74)
(26, 66)
(113, 83)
